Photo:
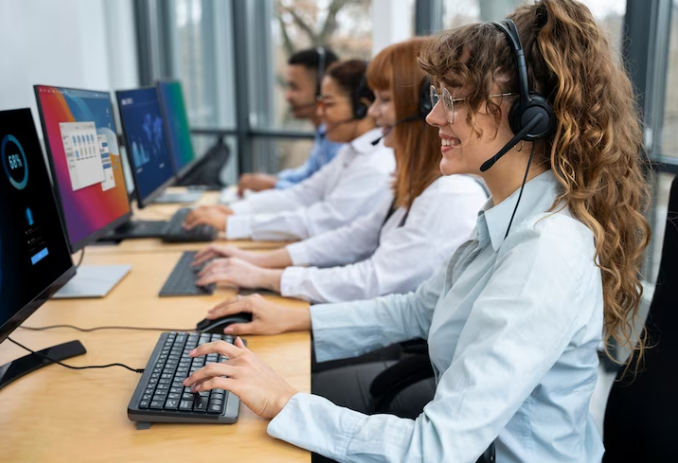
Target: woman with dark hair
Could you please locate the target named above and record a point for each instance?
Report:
(343, 190)
(514, 320)
(404, 240)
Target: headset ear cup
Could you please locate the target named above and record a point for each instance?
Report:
(425, 106)
(520, 115)
(360, 110)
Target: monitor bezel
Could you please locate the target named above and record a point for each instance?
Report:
(180, 174)
(94, 236)
(143, 202)
(34, 304)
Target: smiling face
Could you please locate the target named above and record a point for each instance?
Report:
(463, 151)
(383, 112)
(336, 112)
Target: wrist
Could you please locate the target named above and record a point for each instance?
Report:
(271, 279)
(297, 320)
(283, 400)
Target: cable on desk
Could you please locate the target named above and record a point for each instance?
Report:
(98, 328)
(71, 367)
(82, 256)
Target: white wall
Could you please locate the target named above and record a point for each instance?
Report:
(71, 43)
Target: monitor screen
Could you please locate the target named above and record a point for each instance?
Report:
(34, 257)
(146, 143)
(176, 121)
(82, 147)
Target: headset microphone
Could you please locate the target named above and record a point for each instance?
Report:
(513, 142)
(401, 121)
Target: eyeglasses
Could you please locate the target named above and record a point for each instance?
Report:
(448, 101)
(328, 101)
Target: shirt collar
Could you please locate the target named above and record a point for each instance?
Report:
(538, 196)
(321, 131)
(363, 144)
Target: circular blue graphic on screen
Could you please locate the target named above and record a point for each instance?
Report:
(13, 163)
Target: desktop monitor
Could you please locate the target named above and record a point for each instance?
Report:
(176, 123)
(146, 142)
(34, 257)
(82, 147)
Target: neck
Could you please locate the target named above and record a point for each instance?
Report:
(506, 176)
(362, 127)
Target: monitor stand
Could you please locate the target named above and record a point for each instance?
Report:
(93, 281)
(20, 367)
(175, 198)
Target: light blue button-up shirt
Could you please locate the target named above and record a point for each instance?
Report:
(322, 153)
(512, 327)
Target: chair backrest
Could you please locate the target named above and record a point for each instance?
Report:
(640, 419)
(208, 170)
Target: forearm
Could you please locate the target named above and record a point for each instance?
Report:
(279, 258)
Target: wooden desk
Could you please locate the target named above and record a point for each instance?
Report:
(60, 415)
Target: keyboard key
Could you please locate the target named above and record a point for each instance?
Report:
(174, 396)
(215, 408)
(171, 404)
(186, 405)
(201, 404)
(156, 405)
(144, 403)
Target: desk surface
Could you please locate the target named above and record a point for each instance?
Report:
(60, 415)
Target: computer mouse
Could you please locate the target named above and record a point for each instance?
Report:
(217, 325)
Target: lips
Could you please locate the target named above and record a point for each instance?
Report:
(386, 130)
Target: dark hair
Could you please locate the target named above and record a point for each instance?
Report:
(351, 77)
(417, 148)
(596, 151)
(310, 58)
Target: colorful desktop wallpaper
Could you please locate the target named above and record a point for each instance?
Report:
(176, 119)
(142, 120)
(90, 208)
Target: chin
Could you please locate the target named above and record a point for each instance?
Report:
(450, 167)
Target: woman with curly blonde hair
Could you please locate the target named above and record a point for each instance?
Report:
(514, 320)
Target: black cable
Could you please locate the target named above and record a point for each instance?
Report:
(71, 367)
(522, 187)
(82, 256)
(97, 328)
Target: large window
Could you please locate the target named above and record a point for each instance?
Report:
(344, 26)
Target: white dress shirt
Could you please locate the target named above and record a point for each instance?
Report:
(512, 326)
(349, 186)
(364, 260)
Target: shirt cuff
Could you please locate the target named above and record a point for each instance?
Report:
(291, 282)
(298, 253)
(241, 208)
(314, 423)
(239, 227)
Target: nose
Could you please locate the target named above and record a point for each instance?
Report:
(437, 116)
(373, 110)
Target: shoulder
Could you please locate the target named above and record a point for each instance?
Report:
(559, 237)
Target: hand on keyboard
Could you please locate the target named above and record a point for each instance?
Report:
(267, 317)
(214, 251)
(253, 381)
(236, 272)
(213, 216)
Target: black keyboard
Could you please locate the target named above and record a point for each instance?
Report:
(181, 281)
(160, 396)
(175, 232)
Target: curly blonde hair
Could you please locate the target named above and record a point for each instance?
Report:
(596, 152)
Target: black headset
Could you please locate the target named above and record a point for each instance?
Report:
(360, 109)
(531, 117)
(530, 104)
(425, 106)
(322, 60)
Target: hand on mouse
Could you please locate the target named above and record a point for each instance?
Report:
(267, 317)
(237, 272)
(253, 381)
(206, 215)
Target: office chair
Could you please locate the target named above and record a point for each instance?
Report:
(641, 410)
(208, 171)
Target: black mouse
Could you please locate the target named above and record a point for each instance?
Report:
(217, 325)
